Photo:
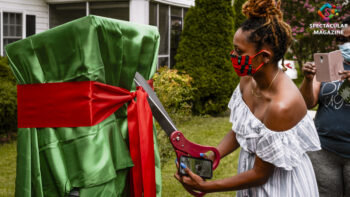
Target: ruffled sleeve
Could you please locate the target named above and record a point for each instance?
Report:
(282, 149)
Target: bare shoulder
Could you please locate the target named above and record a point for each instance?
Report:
(244, 81)
(286, 109)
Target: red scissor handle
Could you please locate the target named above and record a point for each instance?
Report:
(184, 147)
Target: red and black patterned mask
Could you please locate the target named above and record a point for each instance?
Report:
(243, 64)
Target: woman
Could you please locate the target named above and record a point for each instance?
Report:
(268, 113)
(332, 163)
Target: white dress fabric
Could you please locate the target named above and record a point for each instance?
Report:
(293, 175)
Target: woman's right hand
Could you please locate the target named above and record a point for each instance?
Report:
(309, 70)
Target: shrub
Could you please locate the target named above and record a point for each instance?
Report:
(203, 53)
(174, 91)
(8, 102)
(166, 150)
(5, 71)
(8, 109)
(176, 94)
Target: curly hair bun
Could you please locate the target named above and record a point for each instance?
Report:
(266, 26)
(262, 9)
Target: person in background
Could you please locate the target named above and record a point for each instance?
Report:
(268, 114)
(332, 120)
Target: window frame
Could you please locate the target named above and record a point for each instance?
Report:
(16, 11)
(14, 24)
(169, 27)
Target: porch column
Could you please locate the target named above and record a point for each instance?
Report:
(139, 11)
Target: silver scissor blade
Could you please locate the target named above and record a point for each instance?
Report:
(157, 108)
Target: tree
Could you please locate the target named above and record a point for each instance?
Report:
(239, 17)
(300, 15)
(203, 53)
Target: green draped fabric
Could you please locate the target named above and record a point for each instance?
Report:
(96, 159)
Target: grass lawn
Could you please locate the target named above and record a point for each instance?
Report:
(201, 130)
(8, 154)
(205, 131)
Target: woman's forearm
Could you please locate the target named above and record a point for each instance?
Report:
(228, 144)
(306, 89)
(241, 181)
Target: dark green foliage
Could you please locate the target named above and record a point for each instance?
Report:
(5, 71)
(203, 53)
(8, 102)
(239, 17)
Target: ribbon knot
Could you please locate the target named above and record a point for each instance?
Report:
(133, 94)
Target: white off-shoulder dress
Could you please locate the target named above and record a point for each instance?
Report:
(293, 175)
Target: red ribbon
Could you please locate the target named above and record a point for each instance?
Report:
(87, 103)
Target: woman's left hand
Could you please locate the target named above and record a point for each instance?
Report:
(345, 74)
(190, 182)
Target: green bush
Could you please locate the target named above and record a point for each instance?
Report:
(176, 94)
(203, 53)
(5, 71)
(174, 91)
(8, 102)
(8, 109)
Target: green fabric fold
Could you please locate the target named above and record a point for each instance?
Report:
(96, 159)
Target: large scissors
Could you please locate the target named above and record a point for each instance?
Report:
(181, 145)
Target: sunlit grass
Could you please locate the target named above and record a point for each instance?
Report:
(8, 154)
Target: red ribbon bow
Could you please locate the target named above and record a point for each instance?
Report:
(87, 103)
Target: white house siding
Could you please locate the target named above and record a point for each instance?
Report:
(39, 8)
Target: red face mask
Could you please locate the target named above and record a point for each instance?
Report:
(243, 64)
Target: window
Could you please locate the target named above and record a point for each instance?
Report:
(164, 29)
(62, 13)
(30, 25)
(153, 10)
(176, 29)
(163, 61)
(12, 28)
(169, 20)
(117, 10)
